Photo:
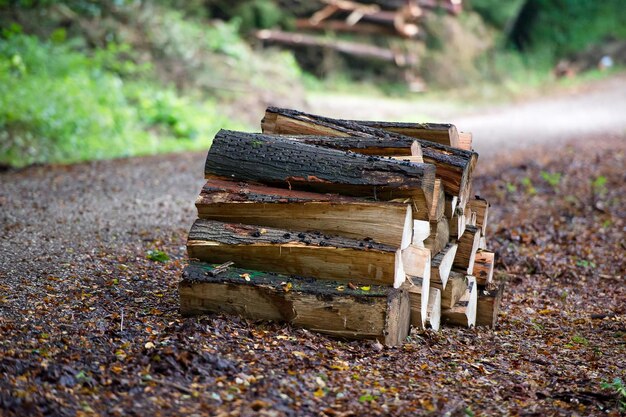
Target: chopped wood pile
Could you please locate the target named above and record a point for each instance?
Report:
(387, 31)
(356, 229)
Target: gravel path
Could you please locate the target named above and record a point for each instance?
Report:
(89, 326)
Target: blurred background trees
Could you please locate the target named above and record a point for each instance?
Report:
(86, 79)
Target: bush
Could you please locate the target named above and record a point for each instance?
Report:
(59, 105)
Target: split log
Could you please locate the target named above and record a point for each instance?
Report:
(465, 140)
(416, 264)
(438, 205)
(454, 289)
(489, 306)
(458, 223)
(464, 311)
(441, 265)
(342, 26)
(445, 134)
(327, 307)
(281, 162)
(450, 206)
(481, 207)
(483, 267)
(297, 253)
(362, 50)
(466, 252)
(454, 166)
(421, 231)
(390, 223)
(432, 319)
(439, 235)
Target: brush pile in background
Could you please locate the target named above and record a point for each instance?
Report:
(356, 229)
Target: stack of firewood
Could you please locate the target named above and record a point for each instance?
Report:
(350, 228)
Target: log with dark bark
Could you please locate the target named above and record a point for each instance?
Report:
(445, 134)
(464, 311)
(441, 265)
(454, 166)
(281, 162)
(298, 253)
(489, 306)
(328, 307)
(466, 253)
(362, 50)
(390, 223)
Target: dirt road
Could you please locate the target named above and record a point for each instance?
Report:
(89, 325)
(593, 109)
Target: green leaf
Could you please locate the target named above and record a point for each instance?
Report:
(158, 256)
(367, 398)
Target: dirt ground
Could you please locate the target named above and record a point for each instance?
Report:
(90, 326)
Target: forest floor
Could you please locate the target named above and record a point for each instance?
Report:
(90, 326)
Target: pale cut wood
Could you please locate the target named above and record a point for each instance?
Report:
(483, 267)
(458, 223)
(465, 141)
(450, 206)
(416, 263)
(437, 209)
(298, 253)
(454, 166)
(439, 235)
(390, 223)
(433, 311)
(416, 159)
(441, 265)
(464, 311)
(328, 307)
(421, 231)
(481, 207)
(483, 243)
(454, 289)
(488, 306)
(285, 163)
(445, 134)
(417, 287)
(466, 252)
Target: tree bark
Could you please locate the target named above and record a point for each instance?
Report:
(454, 166)
(298, 253)
(281, 162)
(328, 307)
(385, 222)
(444, 134)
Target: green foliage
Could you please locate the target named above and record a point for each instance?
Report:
(366, 398)
(552, 178)
(572, 25)
(530, 188)
(59, 105)
(497, 13)
(157, 256)
(619, 388)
